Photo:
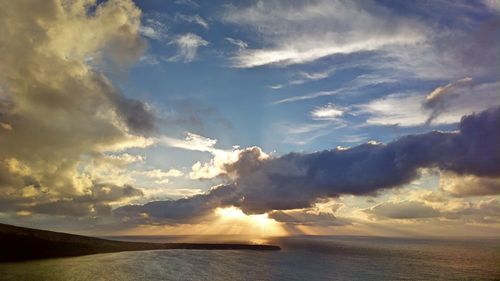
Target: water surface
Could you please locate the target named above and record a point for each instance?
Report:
(302, 258)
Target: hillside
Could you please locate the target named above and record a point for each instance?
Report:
(20, 243)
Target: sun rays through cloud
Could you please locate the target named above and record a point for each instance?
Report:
(263, 118)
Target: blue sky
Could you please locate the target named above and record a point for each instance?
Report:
(247, 105)
(145, 101)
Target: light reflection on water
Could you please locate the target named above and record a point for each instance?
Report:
(302, 258)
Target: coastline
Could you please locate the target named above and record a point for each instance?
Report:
(21, 244)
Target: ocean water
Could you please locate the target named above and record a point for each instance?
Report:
(301, 258)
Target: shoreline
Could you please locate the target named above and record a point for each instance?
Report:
(22, 244)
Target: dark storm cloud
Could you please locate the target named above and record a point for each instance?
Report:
(184, 210)
(136, 114)
(298, 180)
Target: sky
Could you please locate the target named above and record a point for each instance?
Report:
(256, 118)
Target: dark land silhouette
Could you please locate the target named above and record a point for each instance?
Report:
(20, 243)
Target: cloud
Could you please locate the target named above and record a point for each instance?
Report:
(387, 39)
(124, 158)
(62, 113)
(437, 94)
(192, 142)
(382, 111)
(484, 211)
(137, 115)
(452, 51)
(403, 210)
(192, 115)
(304, 217)
(276, 87)
(299, 32)
(197, 19)
(216, 165)
(469, 185)
(315, 75)
(189, 3)
(414, 109)
(237, 42)
(160, 193)
(159, 174)
(206, 170)
(95, 201)
(492, 4)
(298, 180)
(437, 208)
(438, 99)
(353, 138)
(185, 210)
(302, 133)
(187, 45)
(153, 29)
(311, 96)
(327, 112)
(354, 85)
(303, 77)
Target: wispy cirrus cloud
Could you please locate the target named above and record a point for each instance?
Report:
(153, 28)
(301, 32)
(382, 111)
(303, 76)
(237, 42)
(354, 85)
(192, 142)
(187, 45)
(196, 19)
(189, 3)
(413, 109)
(306, 132)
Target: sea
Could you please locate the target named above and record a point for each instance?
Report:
(301, 258)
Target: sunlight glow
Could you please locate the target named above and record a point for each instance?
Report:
(230, 213)
(260, 225)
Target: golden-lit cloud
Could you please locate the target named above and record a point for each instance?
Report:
(66, 131)
(469, 185)
(58, 110)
